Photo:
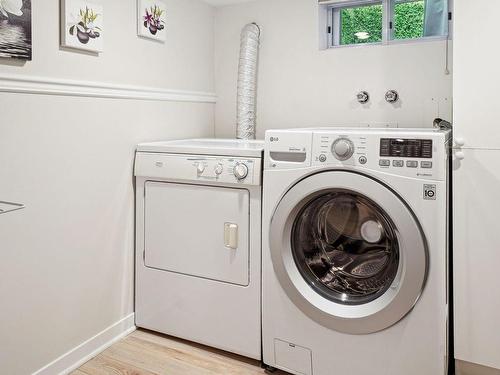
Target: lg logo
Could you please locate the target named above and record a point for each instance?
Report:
(274, 139)
(430, 192)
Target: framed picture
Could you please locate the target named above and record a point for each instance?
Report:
(15, 29)
(151, 19)
(82, 25)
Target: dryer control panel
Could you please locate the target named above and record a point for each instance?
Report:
(196, 168)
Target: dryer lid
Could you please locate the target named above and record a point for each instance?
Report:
(207, 146)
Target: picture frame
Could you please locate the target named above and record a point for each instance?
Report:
(15, 29)
(151, 20)
(82, 25)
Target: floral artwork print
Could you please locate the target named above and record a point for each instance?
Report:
(86, 28)
(152, 19)
(11, 7)
(82, 25)
(15, 29)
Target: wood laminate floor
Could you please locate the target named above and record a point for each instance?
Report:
(148, 353)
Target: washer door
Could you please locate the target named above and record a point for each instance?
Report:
(348, 252)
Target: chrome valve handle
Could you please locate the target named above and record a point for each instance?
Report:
(391, 96)
(363, 97)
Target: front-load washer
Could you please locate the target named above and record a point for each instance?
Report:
(198, 242)
(355, 251)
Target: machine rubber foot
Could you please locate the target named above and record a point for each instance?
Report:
(269, 369)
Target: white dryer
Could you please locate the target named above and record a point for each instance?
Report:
(198, 242)
(355, 251)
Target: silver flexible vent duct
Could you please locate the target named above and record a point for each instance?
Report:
(247, 82)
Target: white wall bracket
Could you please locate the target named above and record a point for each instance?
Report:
(6, 207)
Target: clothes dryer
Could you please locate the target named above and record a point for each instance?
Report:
(198, 242)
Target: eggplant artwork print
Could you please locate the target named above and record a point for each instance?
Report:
(82, 26)
(151, 22)
(86, 29)
(15, 29)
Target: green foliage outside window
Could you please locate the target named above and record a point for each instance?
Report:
(367, 20)
(364, 19)
(409, 20)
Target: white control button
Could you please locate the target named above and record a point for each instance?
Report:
(201, 168)
(342, 149)
(218, 169)
(384, 163)
(240, 171)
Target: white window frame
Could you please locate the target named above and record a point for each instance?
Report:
(333, 24)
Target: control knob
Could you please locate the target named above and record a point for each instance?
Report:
(343, 149)
(240, 171)
(200, 168)
(218, 169)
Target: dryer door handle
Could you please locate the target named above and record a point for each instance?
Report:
(231, 235)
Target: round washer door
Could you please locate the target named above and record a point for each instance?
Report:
(348, 252)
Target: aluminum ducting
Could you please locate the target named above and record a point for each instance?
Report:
(247, 82)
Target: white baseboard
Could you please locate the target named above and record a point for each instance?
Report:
(469, 368)
(87, 350)
(25, 84)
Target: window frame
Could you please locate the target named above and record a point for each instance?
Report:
(334, 24)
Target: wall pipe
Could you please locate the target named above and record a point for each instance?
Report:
(247, 82)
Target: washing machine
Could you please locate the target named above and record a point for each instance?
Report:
(198, 242)
(355, 251)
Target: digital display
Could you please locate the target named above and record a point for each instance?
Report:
(406, 148)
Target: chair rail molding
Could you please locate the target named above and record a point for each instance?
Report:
(24, 84)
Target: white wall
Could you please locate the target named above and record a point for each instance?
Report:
(476, 183)
(476, 75)
(299, 85)
(66, 261)
(183, 62)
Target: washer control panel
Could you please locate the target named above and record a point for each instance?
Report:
(339, 148)
(417, 156)
(416, 153)
(214, 169)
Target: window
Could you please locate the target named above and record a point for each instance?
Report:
(408, 19)
(385, 21)
(359, 24)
